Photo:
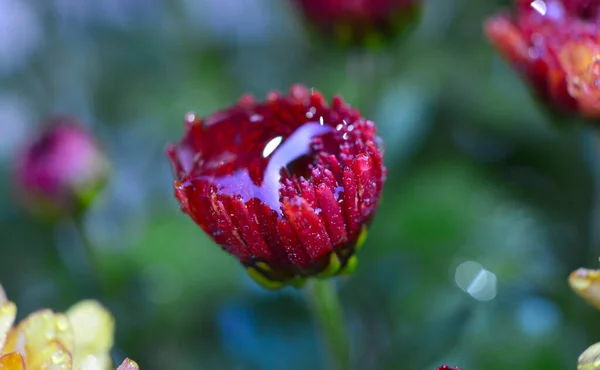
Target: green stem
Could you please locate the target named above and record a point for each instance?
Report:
(89, 260)
(328, 313)
(595, 213)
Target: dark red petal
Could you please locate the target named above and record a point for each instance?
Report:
(332, 215)
(248, 227)
(351, 211)
(308, 227)
(367, 187)
(267, 219)
(228, 232)
(295, 250)
(308, 193)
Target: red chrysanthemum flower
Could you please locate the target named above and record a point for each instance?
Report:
(286, 186)
(358, 21)
(61, 170)
(555, 45)
(446, 367)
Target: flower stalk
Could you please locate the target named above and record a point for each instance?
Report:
(89, 259)
(328, 313)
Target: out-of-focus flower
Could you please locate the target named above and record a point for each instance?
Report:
(360, 21)
(589, 358)
(128, 365)
(62, 170)
(81, 338)
(554, 45)
(287, 186)
(446, 367)
(586, 283)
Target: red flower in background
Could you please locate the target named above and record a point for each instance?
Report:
(555, 45)
(446, 367)
(61, 170)
(287, 186)
(358, 21)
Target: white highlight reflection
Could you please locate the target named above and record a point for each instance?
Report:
(539, 6)
(478, 282)
(271, 146)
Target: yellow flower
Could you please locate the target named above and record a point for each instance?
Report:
(79, 339)
(590, 358)
(586, 283)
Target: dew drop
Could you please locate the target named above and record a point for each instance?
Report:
(338, 191)
(271, 146)
(539, 6)
(533, 52)
(58, 357)
(62, 323)
(190, 117)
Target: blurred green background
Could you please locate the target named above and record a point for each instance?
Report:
(476, 173)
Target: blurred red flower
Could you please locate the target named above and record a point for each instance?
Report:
(554, 44)
(359, 21)
(287, 186)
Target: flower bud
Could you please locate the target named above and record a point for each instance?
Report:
(353, 22)
(553, 44)
(61, 170)
(287, 186)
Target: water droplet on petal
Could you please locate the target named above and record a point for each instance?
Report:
(539, 6)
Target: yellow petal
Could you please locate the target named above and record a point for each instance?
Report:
(590, 358)
(586, 283)
(12, 361)
(54, 356)
(93, 362)
(8, 311)
(128, 365)
(37, 333)
(93, 330)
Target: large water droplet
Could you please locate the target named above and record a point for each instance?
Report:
(539, 6)
(253, 169)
